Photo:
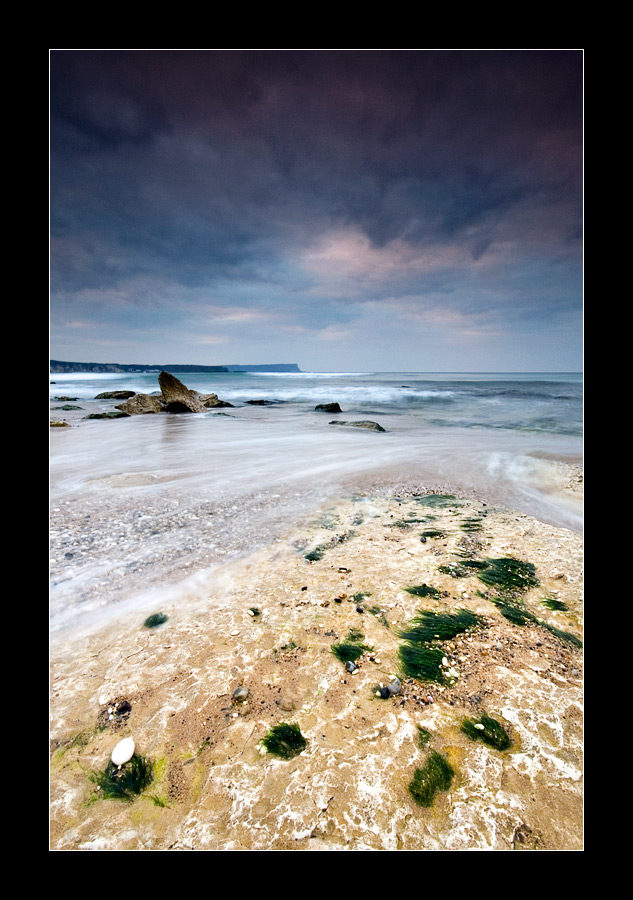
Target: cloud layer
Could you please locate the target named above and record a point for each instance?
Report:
(391, 210)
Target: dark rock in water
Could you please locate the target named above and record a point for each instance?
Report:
(115, 395)
(67, 407)
(108, 415)
(67, 399)
(369, 426)
(264, 402)
(328, 407)
(60, 425)
(141, 404)
(178, 398)
(211, 401)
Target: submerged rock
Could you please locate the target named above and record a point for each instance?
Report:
(108, 415)
(369, 426)
(115, 395)
(328, 407)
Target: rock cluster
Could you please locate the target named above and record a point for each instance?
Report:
(174, 397)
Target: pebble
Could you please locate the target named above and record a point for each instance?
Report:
(123, 752)
(350, 666)
(240, 693)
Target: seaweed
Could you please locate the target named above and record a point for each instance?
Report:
(124, 782)
(319, 551)
(488, 730)
(349, 651)
(508, 574)
(429, 626)
(432, 533)
(424, 590)
(552, 603)
(471, 524)
(436, 775)
(437, 501)
(155, 620)
(424, 737)
(285, 740)
(422, 662)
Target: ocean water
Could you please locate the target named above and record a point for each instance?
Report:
(143, 504)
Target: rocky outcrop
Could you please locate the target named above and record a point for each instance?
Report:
(178, 398)
(369, 426)
(174, 397)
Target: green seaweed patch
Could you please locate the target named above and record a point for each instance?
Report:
(509, 574)
(432, 533)
(285, 740)
(517, 614)
(436, 775)
(427, 626)
(566, 636)
(124, 782)
(514, 612)
(424, 590)
(319, 551)
(360, 596)
(349, 651)
(472, 524)
(422, 662)
(552, 603)
(437, 501)
(424, 736)
(155, 620)
(488, 730)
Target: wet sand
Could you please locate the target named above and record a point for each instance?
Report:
(267, 622)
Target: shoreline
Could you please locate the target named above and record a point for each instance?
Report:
(214, 790)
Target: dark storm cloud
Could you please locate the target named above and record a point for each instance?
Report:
(206, 168)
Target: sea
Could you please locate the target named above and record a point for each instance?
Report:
(143, 507)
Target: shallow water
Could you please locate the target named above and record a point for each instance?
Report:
(138, 504)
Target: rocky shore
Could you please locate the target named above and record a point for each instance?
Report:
(259, 644)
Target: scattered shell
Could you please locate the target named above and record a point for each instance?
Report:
(123, 752)
(479, 726)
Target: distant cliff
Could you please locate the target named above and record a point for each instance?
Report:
(58, 367)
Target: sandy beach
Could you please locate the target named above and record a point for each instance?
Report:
(267, 623)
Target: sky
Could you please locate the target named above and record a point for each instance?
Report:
(345, 210)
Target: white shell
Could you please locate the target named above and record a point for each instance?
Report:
(123, 752)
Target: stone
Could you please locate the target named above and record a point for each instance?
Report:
(123, 752)
(368, 426)
(240, 694)
(328, 407)
(178, 398)
(115, 395)
(141, 404)
(211, 401)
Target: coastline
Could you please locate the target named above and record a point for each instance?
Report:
(214, 790)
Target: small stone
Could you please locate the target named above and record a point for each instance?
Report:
(123, 752)
(240, 694)
(350, 666)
